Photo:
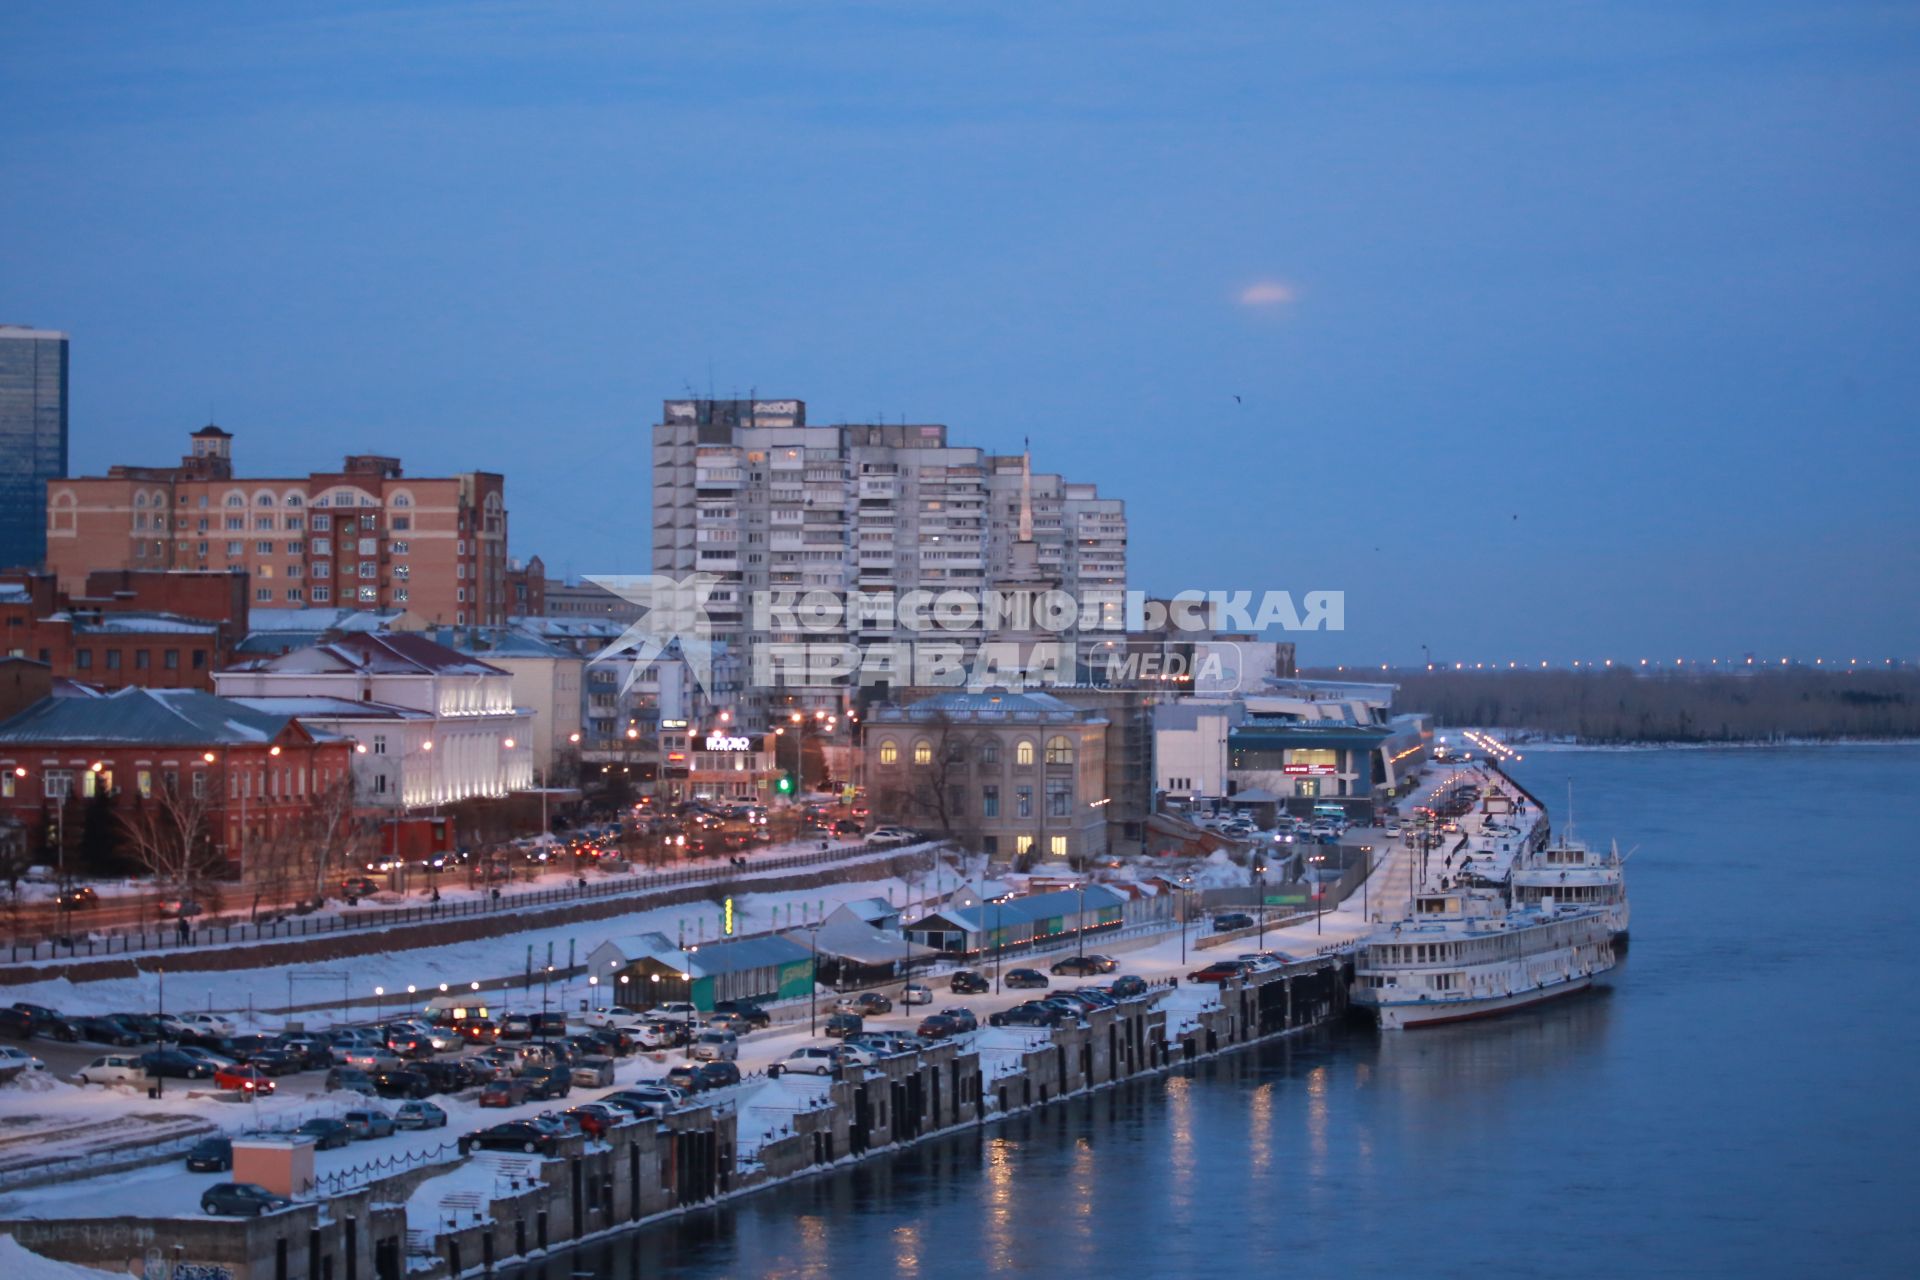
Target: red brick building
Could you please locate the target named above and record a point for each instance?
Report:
(162, 630)
(366, 536)
(238, 779)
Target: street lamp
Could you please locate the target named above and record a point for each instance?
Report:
(1260, 892)
(379, 1004)
(1186, 892)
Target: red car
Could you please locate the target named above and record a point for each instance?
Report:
(595, 1118)
(1219, 971)
(245, 1077)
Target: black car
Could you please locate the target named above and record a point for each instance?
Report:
(16, 1025)
(965, 982)
(687, 1077)
(171, 1063)
(1076, 967)
(548, 1082)
(1232, 920)
(1024, 979)
(757, 1018)
(49, 1022)
(842, 1025)
(444, 1077)
(511, 1135)
(402, 1084)
(646, 1106)
(1030, 1014)
(613, 1041)
(277, 1062)
(1127, 985)
(107, 1029)
(938, 1026)
(326, 1132)
(210, 1155)
(144, 1025)
(240, 1199)
(718, 1075)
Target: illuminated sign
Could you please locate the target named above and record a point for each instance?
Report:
(1309, 770)
(728, 742)
(673, 724)
(729, 917)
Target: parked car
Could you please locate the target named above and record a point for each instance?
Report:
(511, 1135)
(889, 835)
(516, 1026)
(212, 1024)
(595, 1072)
(642, 1102)
(916, 993)
(16, 1025)
(477, 1030)
(78, 897)
(210, 1155)
(938, 1026)
(867, 1004)
(672, 1011)
(1128, 985)
(144, 1025)
(415, 1114)
(660, 1034)
(686, 1076)
(245, 1077)
(965, 982)
(13, 1061)
(842, 1025)
(326, 1132)
(240, 1200)
(367, 1123)
(716, 1046)
(1100, 999)
(756, 1017)
(1024, 979)
(276, 1062)
(174, 1064)
(1030, 1014)
(1076, 967)
(352, 1079)
(548, 1082)
(1232, 920)
(1219, 971)
(113, 1068)
(444, 1077)
(48, 1022)
(375, 1058)
(606, 1017)
(107, 1029)
(506, 1091)
(402, 1084)
(358, 887)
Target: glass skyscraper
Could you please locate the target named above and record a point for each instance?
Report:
(33, 438)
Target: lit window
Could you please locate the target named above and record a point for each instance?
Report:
(889, 752)
(923, 752)
(1059, 750)
(1023, 754)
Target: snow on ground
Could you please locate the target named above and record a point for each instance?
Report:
(493, 962)
(17, 1262)
(766, 1113)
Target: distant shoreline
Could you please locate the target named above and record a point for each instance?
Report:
(1514, 739)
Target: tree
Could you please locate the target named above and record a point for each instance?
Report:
(170, 834)
(330, 836)
(100, 835)
(935, 789)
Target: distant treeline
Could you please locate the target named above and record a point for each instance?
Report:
(1620, 706)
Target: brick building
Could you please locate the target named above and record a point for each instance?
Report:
(167, 630)
(366, 535)
(242, 778)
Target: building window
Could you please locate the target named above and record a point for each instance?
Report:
(889, 751)
(990, 800)
(379, 744)
(1023, 754)
(142, 659)
(322, 594)
(263, 548)
(263, 594)
(370, 595)
(1057, 846)
(83, 659)
(923, 752)
(57, 784)
(1060, 750)
(171, 659)
(956, 801)
(236, 523)
(401, 524)
(400, 594)
(113, 659)
(321, 521)
(400, 549)
(6, 785)
(1059, 797)
(990, 751)
(1023, 844)
(263, 522)
(199, 659)
(199, 784)
(368, 569)
(294, 593)
(143, 783)
(1023, 802)
(233, 548)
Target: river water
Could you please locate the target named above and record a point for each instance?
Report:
(1741, 1100)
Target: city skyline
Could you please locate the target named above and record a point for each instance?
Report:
(1605, 315)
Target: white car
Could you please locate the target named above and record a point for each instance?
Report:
(112, 1068)
(1258, 963)
(888, 835)
(672, 1011)
(813, 1060)
(715, 1046)
(607, 1017)
(653, 1035)
(13, 1060)
(1393, 826)
(207, 1024)
(917, 993)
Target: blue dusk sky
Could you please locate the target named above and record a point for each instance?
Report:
(1542, 331)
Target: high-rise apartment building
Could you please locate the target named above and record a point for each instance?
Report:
(747, 491)
(33, 438)
(366, 536)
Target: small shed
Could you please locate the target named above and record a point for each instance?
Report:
(767, 967)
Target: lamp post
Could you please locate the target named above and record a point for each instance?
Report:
(688, 979)
(813, 986)
(1186, 893)
(1080, 949)
(1260, 907)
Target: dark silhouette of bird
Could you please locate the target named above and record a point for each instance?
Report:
(1236, 399)
(1516, 516)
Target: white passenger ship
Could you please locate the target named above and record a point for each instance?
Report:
(1570, 873)
(1466, 954)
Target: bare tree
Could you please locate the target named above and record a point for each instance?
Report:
(330, 836)
(933, 791)
(170, 834)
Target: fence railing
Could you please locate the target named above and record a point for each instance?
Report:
(140, 939)
(340, 1181)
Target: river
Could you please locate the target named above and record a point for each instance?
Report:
(1739, 1100)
